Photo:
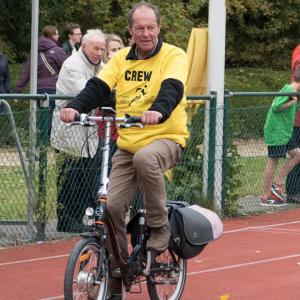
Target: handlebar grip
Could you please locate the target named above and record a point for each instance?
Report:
(133, 119)
(77, 118)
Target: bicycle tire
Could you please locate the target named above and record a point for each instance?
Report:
(168, 284)
(82, 266)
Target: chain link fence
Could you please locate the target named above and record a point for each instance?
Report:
(44, 190)
(246, 125)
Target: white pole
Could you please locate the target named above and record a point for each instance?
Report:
(33, 106)
(34, 47)
(216, 70)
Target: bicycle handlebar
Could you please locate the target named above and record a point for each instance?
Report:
(127, 121)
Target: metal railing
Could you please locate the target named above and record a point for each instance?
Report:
(197, 169)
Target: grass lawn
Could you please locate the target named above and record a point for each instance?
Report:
(251, 175)
(14, 194)
(255, 80)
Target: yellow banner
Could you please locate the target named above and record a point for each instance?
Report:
(197, 62)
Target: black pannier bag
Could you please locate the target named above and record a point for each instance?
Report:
(192, 228)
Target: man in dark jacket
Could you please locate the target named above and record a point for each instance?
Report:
(4, 75)
(74, 35)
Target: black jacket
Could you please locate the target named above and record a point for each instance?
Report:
(68, 48)
(4, 75)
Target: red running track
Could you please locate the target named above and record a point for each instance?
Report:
(257, 258)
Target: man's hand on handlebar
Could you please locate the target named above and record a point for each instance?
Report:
(151, 117)
(68, 115)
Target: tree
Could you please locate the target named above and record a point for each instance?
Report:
(259, 33)
(15, 24)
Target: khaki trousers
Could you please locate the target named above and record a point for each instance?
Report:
(143, 170)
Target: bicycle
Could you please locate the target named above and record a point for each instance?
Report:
(88, 268)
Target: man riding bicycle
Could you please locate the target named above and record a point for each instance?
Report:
(149, 79)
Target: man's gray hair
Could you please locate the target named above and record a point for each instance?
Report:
(91, 33)
(143, 4)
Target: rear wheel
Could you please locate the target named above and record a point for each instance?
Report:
(167, 277)
(82, 271)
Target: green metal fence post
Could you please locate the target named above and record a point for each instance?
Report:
(225, 147)
(41, 205)
(211, 145)
(31, 167)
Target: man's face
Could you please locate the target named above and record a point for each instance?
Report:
(145, 30)
(94, 49)
(76, 36)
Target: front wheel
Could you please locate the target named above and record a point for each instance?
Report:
(167, 277)
(86, 274)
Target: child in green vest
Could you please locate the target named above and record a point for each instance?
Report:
(281, 137)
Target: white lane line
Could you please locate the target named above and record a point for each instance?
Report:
(257, 262)
(261, 227)
(284, 230)
(225, 232)
(32, 260)
(280, 231)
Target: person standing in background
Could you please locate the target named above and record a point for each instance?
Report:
(50, 60)
(4, 73)
(113, 43)
(293, 179)
(281, 138)
(73, 34)
(296, 64)
(76, 146)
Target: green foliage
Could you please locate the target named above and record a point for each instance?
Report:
(232, 182)
(15, 23)
(178, 18)
(258, 33)
(261, 33)
(186, 181)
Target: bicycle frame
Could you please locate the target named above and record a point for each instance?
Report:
(102, 216)
(91, 276)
